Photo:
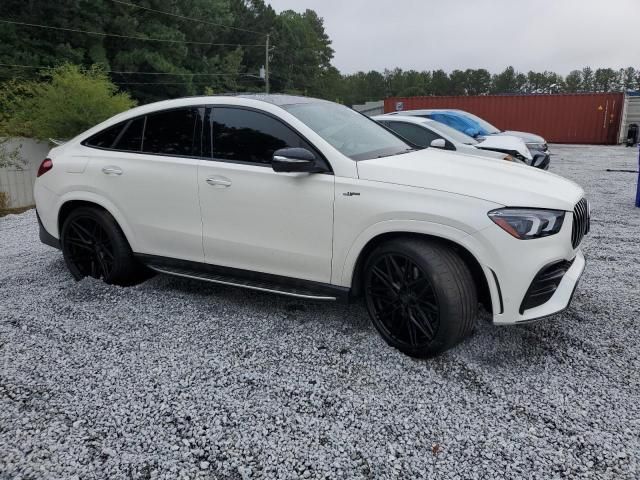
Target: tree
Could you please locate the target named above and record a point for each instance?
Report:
(605, 80)
(573, 81)
(628, 78)
(458, 83)
(478, 82)
(302, 52)
(440, 83)
(66, 102)
(587, 79)
(507, 82)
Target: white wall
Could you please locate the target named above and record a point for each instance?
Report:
(18, 183)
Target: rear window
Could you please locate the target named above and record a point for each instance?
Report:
(105, 138)
(130, 139)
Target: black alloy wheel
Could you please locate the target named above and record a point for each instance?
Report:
(93, 245)
(403, 300)
(420, 295)
(89, 248)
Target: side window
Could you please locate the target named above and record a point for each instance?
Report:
(105, 138)
(173, 132)
(415, 134)
(130, 139)
(248, 136)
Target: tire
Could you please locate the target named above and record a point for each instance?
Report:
(420, 295)
(94, 246)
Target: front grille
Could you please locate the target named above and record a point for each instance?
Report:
(545, 284)
(581, 222)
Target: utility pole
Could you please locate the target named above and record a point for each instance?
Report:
(266, 65)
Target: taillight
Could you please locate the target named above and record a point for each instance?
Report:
(45, 166)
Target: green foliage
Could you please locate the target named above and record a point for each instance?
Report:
(301, 54)
(64, 103)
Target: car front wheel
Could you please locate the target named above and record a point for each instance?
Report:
(420, 295)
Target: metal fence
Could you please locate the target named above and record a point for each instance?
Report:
(17, 181)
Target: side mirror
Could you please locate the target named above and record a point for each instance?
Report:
(294, 160)
(438, 143)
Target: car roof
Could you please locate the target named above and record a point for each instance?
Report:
(275, 99)
(404, 118)
(430, 110)
(280, 99)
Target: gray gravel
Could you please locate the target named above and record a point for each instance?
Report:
(180, 379)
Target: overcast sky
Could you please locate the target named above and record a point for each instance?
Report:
(556, 35)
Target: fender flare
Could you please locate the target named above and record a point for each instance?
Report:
(102, 202)
(418, 227)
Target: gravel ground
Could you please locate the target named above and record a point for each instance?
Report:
(180, 379)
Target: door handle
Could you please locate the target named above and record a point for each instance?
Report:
(219, 182)
(111, 170)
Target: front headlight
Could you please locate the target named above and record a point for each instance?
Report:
(537, 146)
(528, 223)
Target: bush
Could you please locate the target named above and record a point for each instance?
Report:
(67, 101)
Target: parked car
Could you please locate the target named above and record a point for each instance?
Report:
(478, 128)
(310, 199)
(424, 133)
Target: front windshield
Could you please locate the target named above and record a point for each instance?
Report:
(485, 127)
(351, 133)
(452, 133)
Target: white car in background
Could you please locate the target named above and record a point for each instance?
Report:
(425, 133)
(310, 199)
(479, 128)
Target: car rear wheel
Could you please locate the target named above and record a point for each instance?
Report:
(420, 295)
(94, 246)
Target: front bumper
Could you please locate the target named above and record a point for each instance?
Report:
(541, 160)
(517, 268)
(561, 298)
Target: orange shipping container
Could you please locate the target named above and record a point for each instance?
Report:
(592, 118)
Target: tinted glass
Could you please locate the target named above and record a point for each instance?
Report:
(415, 134)
(131, 138)
(349, 132)
(248, 136)
(452, 133)
(172, 133)
(105, 138)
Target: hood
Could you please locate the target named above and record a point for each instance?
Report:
(526, 136)
(505, 143)
(504, 183)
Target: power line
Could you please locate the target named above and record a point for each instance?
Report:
(191, 19)
(241, 76)
(115, 35)
(123, 72)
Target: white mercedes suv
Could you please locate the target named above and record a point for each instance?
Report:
(308, 198)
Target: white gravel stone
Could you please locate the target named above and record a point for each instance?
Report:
(161, 379)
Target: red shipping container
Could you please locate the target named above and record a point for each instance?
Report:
(592, 118)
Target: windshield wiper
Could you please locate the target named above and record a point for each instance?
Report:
(397, 153)
(407, 151)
